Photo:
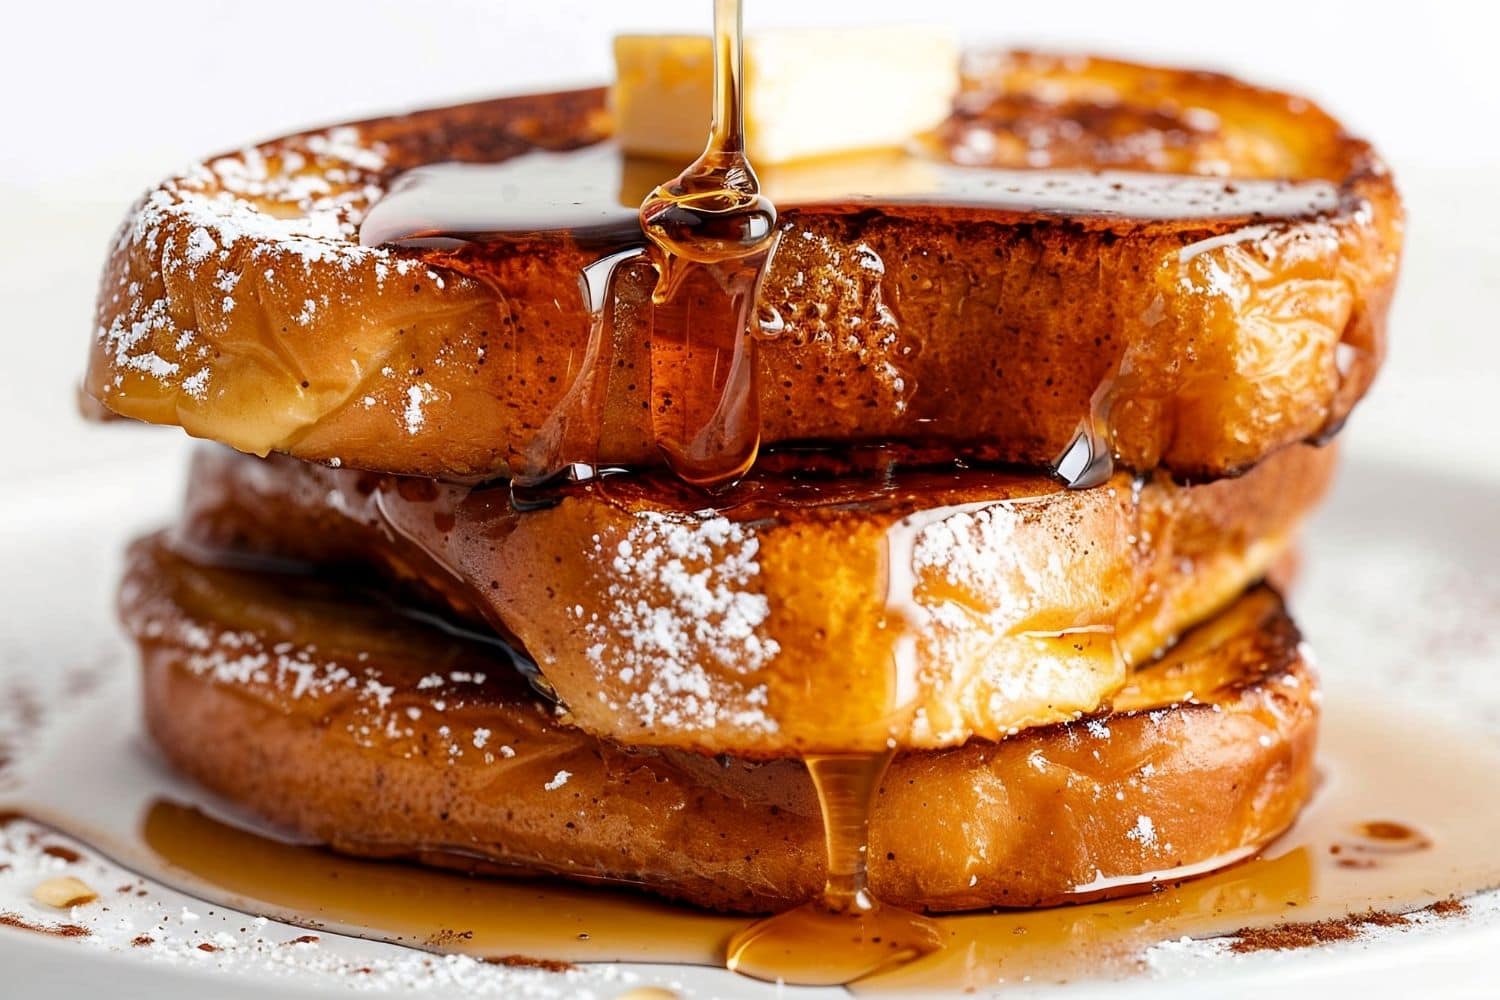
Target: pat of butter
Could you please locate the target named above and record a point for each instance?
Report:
(807, 93)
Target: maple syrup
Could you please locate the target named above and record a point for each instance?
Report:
(846, 934)
(591, 196)
(714, 233)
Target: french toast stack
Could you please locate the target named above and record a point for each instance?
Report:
(1024, 476)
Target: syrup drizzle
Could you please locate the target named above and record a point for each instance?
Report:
(1089, 459)
(713, 232)
(708, 232)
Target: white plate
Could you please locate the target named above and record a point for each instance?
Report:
(1399, 593)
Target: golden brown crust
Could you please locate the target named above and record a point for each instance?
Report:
(798, 615)
(237, 303)
(381, 735)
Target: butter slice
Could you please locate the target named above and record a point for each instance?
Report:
(807, 93)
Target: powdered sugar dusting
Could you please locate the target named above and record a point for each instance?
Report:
(416, 397)
(682, 626)
(974, 548)
(295, 204)
(373, 709)
(1144, 831)
(304, 199)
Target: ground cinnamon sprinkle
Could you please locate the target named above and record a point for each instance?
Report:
(56, 930)
(1290, 936)
(1310, 934)
(1448, 907)
(448, 937)
(527, 962)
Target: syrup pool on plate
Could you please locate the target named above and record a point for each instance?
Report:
(95, 781)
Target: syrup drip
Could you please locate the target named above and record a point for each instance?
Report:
(708, 232)
(583, 411)
(845, 935)
(713, 211)
(713, 232)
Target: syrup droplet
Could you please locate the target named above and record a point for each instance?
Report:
(846, 934)
(1387, 830)
(1379, 837)
(713, 211)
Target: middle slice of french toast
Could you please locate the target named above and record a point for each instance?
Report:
(798, 613)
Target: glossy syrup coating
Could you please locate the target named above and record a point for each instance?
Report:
(1198, 329)
(383, 735)
(797, 614)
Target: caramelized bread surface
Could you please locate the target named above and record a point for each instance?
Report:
(383, 735)
(238, 303)
(800, 613)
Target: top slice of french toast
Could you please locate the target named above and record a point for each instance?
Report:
(239, 304)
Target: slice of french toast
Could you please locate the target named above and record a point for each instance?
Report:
(800, 614)
(343, 720)
(1199, 335)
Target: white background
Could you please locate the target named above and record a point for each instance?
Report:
(100, 100)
